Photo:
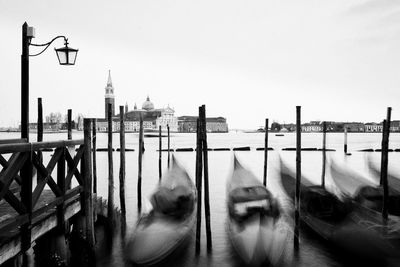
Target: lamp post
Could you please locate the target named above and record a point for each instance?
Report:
(66, 56)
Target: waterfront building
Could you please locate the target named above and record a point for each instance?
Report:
(372, 127)
(311, 127)
(152, 117)
(355, 127)
(395, 126)
(188, 124)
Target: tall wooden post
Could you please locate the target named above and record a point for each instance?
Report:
(40, 121)
(168, 146)
(69, 124)
(265, 153)
(139, 186)
(199, 167)
(323, 154)
(25, 83)
(122, 161)
(40, 128)
(298, 177)
(384, 163)
(87, 184)
(345, 140)
(202, 110)
(94, 132)
(110, 208)
(159, 153)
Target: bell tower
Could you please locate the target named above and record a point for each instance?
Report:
(109, 96)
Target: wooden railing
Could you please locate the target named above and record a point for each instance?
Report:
(16, 183)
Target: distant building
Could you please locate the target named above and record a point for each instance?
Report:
(152, 118)
(311, 127)
(372, 127)
(188, 124)
(395, 126)
(355, 127)
(109, 97)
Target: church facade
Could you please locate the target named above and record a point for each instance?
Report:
(152, 117)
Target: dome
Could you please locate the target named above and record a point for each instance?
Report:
(148, 105)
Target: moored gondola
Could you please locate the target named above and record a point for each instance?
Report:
(169, 224)
(255, 228)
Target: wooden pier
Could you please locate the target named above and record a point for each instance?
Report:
(56, 195)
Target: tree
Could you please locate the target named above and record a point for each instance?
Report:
(276, 127)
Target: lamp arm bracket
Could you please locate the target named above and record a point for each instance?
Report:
(48, 44)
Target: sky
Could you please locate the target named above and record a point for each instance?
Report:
(245, 60)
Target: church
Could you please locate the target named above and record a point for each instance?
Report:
(152, 117)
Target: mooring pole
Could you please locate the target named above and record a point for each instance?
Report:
(265, 153)
(122, 161)
(139, 186)
(40, 128)
(110, 207)
(206, 186)
(168, 145)
(384, 163)
(159, 153)
(40, 121)
(298, 178)
(199, 170)
(94, 133)
(87, 184)
(345, 140)
(69, 124)
(323, 154)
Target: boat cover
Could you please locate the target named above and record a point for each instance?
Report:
(176, 201)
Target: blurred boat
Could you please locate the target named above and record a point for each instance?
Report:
(321, 210)
(350, 227)
(169, 224)
(393, 181)
(364, 193)
(255, 229)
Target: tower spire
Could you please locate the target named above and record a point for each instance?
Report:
(109, 81)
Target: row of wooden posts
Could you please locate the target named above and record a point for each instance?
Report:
(384, 165)
(202, 165)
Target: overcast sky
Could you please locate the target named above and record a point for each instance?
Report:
(246, 60)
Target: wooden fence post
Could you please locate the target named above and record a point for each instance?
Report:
(110, 207)
(40, 128)
(159, 153)
(384, 163)
(69, 124)
(265, 153)
(206, 186)
(94, 138)
(139, 186)
(168, 146)
(298, 178)
(345, 140)
(122, 161)
(40, 121)
(323, 154)
(87, 185)
(199, 169)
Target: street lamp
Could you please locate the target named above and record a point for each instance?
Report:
(66, 56)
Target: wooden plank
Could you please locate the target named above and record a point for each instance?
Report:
(72, 165)
(15, 203)
(17, 161)
(5, 164)
(24, 147)
(45, 172)
(13, 141)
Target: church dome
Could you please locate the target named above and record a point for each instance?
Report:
(148, 105)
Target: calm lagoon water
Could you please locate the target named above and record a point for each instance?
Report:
(313, 250)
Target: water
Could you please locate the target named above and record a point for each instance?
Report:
(313, 250)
